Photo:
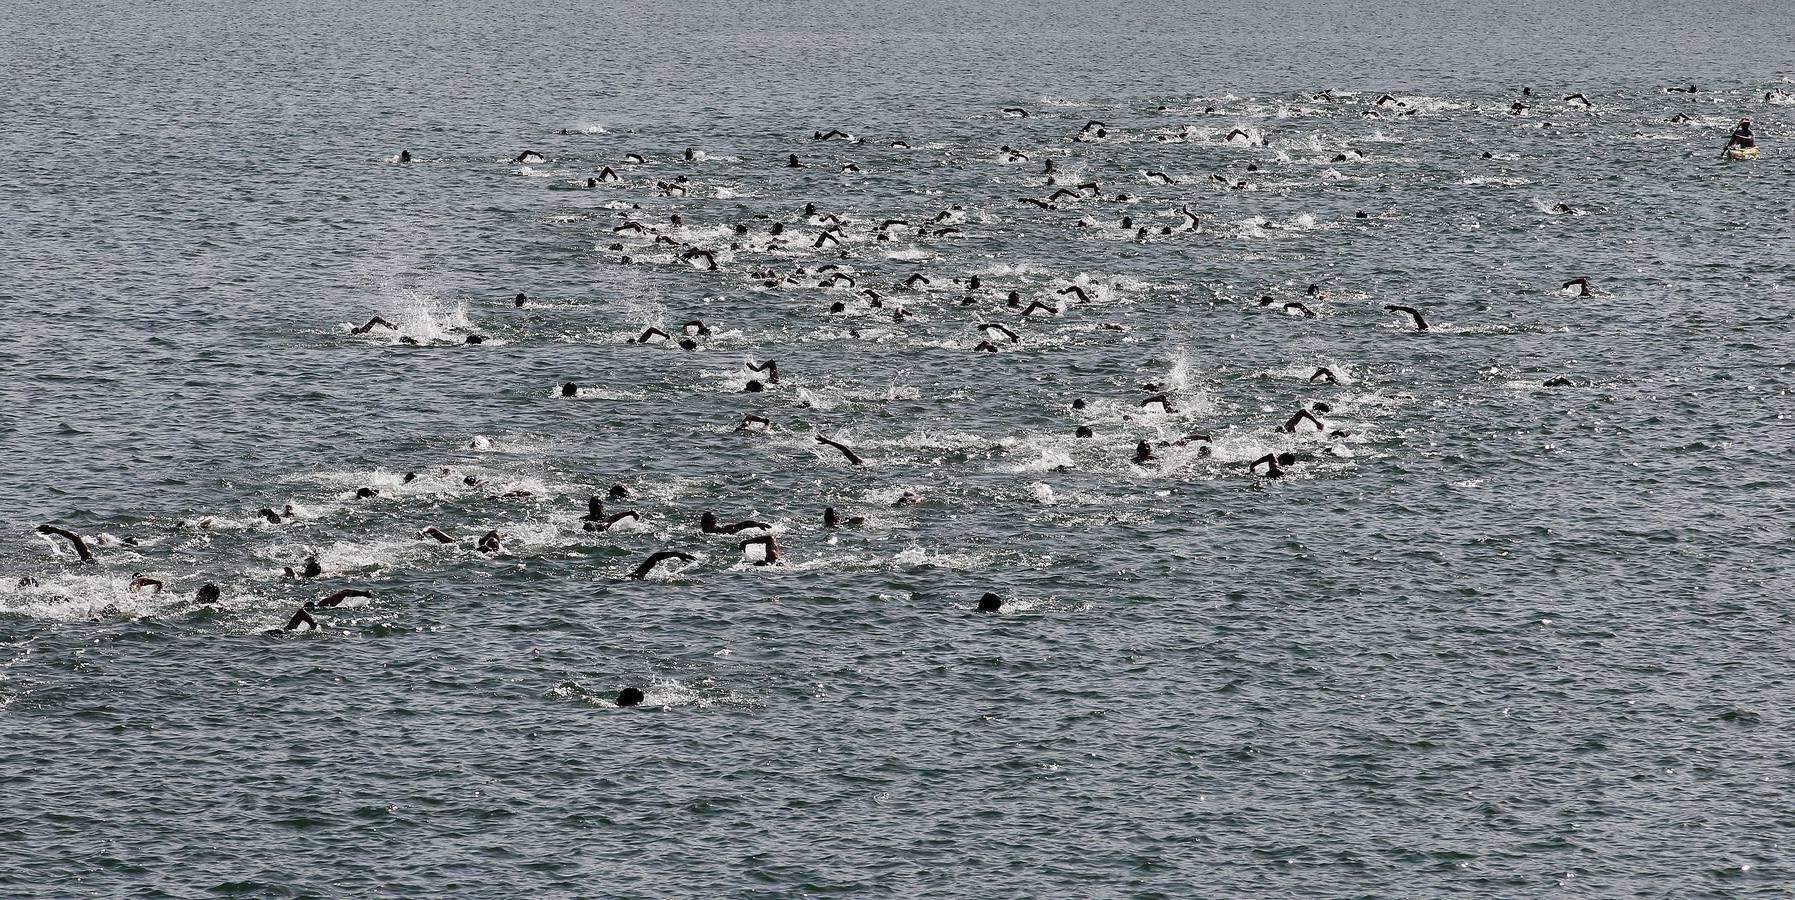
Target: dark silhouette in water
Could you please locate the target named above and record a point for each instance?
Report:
(75, 540)
(708, 524)
(1411, 312)
(336, 599)
(656, 559)
(852, 457)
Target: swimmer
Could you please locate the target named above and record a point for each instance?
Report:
(1581, 284)
(1238, 133)
(1324, 375)
(301, 621)
(1016, 111)
(310, 569)
(489, 542)
(269, 516)
(1163, 177)
(142, 582)
(825, 236)
(366, 493)
(1298, 308)
(1038, 203)
(1411, 312)
(993, 326)
(791, 162)
(529, 156)
(520, 300)
(850, 455)
(771, 367)
(1084, 431)
(475, 339)
(656, 559)
(648, 333)
(751, 421)
(608, 174)
(436, 534)
(1559, 381)
(1289, 426)
(606, 523)
(633, 158)
(753, 387)
(1742, 137)
(1165, 403)
(769, 547)
(1203, 436)
(1036, 304)
(709, 258)
(708, 524)
(1143, 453)
(570, 390)
(1579, 99)
(629, 697)
(990, 602)
(913, 279)
(1274, 464)
(832, 520)
(335, 600)
(618, 491)
(405, 156)
(207, 594)
(1192, 223)
(984, 347)
(371, 324)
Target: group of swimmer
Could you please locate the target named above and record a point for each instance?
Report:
(837, 241)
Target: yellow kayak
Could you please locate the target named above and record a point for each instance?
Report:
(1741, 153)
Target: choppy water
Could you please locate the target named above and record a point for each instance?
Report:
(1492, 639)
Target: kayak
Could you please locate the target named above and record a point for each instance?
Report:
(1741, 153)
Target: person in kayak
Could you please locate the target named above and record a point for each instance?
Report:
(1741, 137)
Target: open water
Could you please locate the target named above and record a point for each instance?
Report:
(1484, 637)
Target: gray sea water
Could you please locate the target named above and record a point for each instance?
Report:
(1484, 638)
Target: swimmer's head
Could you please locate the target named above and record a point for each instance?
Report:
(990, 602)
(207, 593)
(629, 697)
(570, 390)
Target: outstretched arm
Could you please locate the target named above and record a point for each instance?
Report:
(656, 558)
(364, 329)
(337, 598)
(852, 457)
(80, 543)
(1301, 414)
(1420, 323)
